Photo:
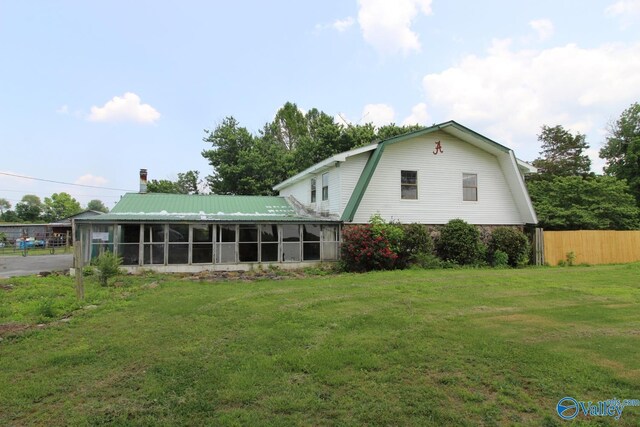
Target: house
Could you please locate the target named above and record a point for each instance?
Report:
(429, 176)
(190, 233)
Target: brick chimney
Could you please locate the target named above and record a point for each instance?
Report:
(143, 181)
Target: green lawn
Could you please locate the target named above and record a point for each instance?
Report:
(446, 347)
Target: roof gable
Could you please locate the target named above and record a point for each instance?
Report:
(452, 128)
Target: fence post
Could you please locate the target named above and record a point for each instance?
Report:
(79, 264)
(539, 246)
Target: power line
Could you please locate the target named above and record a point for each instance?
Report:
(75, 195)
(64, 183)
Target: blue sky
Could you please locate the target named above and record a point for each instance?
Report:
(90, 92)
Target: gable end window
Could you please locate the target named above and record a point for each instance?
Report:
(409, 185)
(469, 187)
(313, 190)
(325, 186)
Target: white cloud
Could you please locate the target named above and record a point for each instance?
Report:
(510, 93)
(623, 7)
(419, 116)
(342, 25)
(378, 114)
(89, 179)
(543, 27)
(627, 11)
(339, 25)
(123, 109)
(386, 25)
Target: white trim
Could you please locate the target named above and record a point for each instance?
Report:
(325, 164)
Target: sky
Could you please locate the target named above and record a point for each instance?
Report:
(90, 92)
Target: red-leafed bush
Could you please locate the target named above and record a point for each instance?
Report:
(366, 249)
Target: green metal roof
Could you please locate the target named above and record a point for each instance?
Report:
(142, 207)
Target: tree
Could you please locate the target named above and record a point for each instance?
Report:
(59, 206)
(562, 153)
(579, 203)
(228, 140)
(289, 127)
(29, 208)
(97, 205)
(246, 164)
(162, 186)
(10, 216)
(4, 205)
(622, 149)
(187, 183)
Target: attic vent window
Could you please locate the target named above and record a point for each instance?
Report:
(409, 185)
(313, 190)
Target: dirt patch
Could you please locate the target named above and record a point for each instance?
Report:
(7, 329)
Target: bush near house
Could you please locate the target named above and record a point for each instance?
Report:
(459, 242)
(510, 241)
(366, 249)
(383, 245)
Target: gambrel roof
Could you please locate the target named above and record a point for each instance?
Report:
(513, 168)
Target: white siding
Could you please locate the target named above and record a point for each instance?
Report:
(439, 184)
(350, 172)
(302, 192)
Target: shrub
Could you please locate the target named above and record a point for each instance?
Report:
(45, 309)
(500, 259)
(392, 231)
(107, 266)
(571, 258)
(416, 244)
(427, 260)
(512, 242)
(364, 249)
(459, 242)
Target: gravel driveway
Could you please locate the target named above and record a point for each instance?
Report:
(24, 266)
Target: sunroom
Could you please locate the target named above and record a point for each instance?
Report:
(190, 233)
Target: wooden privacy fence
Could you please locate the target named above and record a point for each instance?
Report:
(592, 246)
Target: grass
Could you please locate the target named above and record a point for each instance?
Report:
(448, 347)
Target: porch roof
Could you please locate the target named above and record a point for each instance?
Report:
(153, 207)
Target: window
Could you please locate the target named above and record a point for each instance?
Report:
(269, 243)
(128, 243)
(290, 242)
(313, 190)
(153, 244)
(469, 187)
(311, 242)
(329, 242)
(202, 250)
(325, 186)
(102, 239)
(409, 185)
(226, 246)
(178, 244)
(248, 246)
